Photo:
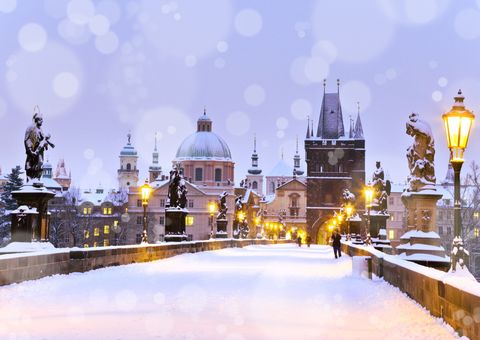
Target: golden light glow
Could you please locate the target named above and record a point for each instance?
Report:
(476, 232)
(211, 207)
(349, 210)
(391, 234)
(241, 216)
(340, 218)
(330, 227)
(257, 220)
(189, 220)
(458, 123)
(145, 191)
(368, 195)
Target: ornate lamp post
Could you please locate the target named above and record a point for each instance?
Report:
(458, 122)
(368, 202)
(145, 191)
(211, 209)
(348, 211)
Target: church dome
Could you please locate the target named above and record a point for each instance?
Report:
(203, 144)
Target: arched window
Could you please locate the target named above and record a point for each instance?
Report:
(272, 186)
(255, 185)
(129, 167)
(198, 174)
(218, 175)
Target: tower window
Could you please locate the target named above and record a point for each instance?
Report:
(218, 175)
(198, 174)
(272, 186)
(129, 167)
(254, 185)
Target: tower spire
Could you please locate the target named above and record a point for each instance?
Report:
(351, 133)
(308, 127)
(254, 143)
(324, 84)
(338, 85)
(358, 130)
(155, 148)
(254, 170)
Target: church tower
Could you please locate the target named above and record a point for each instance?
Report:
(128, 172)
(155, 170)
(255, 177)
(61, 176)
(334, 163)
(297, 171)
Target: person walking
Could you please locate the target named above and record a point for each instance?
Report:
(336, 237)
(299, 241)
(309, 240)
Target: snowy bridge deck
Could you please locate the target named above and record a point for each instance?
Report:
(257, 292)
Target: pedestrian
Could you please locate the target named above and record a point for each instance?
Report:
(336, 237)
(299, 240)
(309, 240)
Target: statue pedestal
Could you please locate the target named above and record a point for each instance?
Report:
(421, 243)
(30, 221)
(376, 222)
(175, 224)
(381, 242)
(221, 229)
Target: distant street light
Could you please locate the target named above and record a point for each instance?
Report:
(458, 122)
(145, 191)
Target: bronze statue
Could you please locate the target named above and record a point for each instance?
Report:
(222, 206)
(36, 142)
(420, 155)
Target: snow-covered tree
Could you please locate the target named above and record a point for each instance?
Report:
(8, 203)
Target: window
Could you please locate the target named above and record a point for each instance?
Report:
(115, 223)
(391, 234)
(254, 185)
(139, 203)
(440, 230)
(106, 229)
(272, 186)
(189, 220)
(86, 234)
(198, 174)
(294, 202)
(190, 203)
(162, 203)
(440, 215)
(138, 238)
(94, 244)
(85, 245)
(391, 200)
(105, 243)
(161, 220)
(449, 231)
(139, 219)
(129, 167)
(218, 175)
(87, 210)
(96, 231)
(107, 211)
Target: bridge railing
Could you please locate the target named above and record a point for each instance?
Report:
(16, 268)
(454, 298)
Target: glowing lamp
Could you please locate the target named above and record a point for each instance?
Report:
(145, 191)
(349, 210)
(368, 195)
(211, 208)
(458, 123)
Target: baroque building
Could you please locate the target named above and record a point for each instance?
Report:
(335, 162)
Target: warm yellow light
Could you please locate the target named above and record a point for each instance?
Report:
(368, 195)
(330, 227)
(458, 123)
(189, 220)
(340, 218)
(391, 234)
(349, 210)
(211, 207)
(334, 221)
(241, 216)
(257, 220)
(145, 191)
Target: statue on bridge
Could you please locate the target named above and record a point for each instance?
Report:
(382, 189)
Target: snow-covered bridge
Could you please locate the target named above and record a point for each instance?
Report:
(257, 292)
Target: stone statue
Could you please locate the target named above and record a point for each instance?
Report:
(222, 206)
(36, 142)
(420, 155)
(382, 189)
(348, 198)
(177, 190)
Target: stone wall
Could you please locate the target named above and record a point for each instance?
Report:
(22, 267)
(458, 307)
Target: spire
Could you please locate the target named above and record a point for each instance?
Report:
(204, 110)
(296, 150)
(308, 127)
(449, 177)
(330, 124)
(155, 149)
(154, 170)
(350, 133)
(311, 130)
(129, 137)
(282, 154)
(155, 152)
(358, 132)
(296, 162)
(254, 170)
(324, 84)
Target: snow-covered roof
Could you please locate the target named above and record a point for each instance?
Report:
(96, 197)
(281, 169)
(419, 246)
(419, 234)
(203, 145)
(50, 183)
(268, 198)
(424, 257)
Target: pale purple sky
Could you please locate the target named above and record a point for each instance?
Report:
(99, 69)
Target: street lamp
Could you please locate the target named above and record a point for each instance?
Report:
(211, 209)
(348, 211)
(368, 201)
(458, 122)
(145, 191)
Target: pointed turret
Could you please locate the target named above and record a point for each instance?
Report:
(351, 133)
(155, 170)
(296, 163)
(449, 177)
(330, 124)
(254, 170)
(308, 127)
(358, 133)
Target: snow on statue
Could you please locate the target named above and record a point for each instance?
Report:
(420, 155)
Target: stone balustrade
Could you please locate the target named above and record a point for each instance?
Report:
(455, 299)
(30, 266)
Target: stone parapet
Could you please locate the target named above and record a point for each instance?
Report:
(450, 298)
(16, 268)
